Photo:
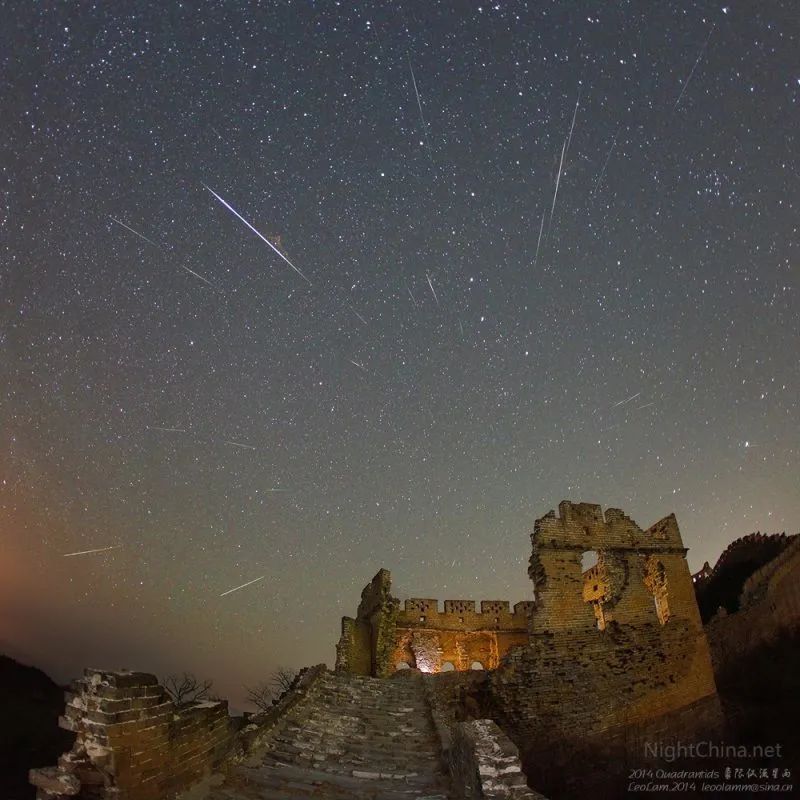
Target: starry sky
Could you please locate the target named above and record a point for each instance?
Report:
(293, 291)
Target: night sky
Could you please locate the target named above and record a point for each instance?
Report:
(524, 252)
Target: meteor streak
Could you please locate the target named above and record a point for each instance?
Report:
(135, 233)
(197, 275)
(608, 157)
(359, 315)
(433, 292)
(249, 583)
(558, 181)
(541, 229)
(239, 444)
(257, 233)
(419, 104)
(168, 430)
(96, 550)
(702, 50)
(574, 115)
(626, 400)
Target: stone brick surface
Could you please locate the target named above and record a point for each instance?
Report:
(420, 636)
(769, 604)
(598, 660)
(349, 737)
(133, 743)
(486, 764)
(611, 649)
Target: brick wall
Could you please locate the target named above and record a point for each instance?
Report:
(382, 635)
(610, 658)
(770, 604)
(297, 699)
(133, 742)
(367, 641)
(485, 763)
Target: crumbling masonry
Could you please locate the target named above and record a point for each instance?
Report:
(597, 661)
(600, 656)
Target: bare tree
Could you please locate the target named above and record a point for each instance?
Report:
(281, 680)
(264, 695)
(187, 688)
(261, 696)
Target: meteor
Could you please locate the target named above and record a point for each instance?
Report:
(702, 50)
(538, 244)
(626, 400)
(433, 292)
(96, 550)
(608, 158)
(239, 444)
(558, 181)
(359, 315)
(419, 104)
(249, 583)
(168, 430)
(574, 115)
(257, 233)
(197, 275)
(135, 233)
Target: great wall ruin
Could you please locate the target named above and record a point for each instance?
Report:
(451, 703)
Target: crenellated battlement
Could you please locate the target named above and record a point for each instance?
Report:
(462, 615)
(640, 583)
(584, 526)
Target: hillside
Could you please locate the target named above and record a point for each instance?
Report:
(29, 732)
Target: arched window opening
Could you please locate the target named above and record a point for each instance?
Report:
(589, 559)
(476, 665)
(594, 585)
(655, 580)
(401, 665)
(448, 666)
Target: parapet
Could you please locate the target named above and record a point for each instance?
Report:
(461, 615)
(584, 526)
(132, 739)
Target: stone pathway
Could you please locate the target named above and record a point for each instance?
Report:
(354, 738)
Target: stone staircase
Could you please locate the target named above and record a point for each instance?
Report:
(352, 738)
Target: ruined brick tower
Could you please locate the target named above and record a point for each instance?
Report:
(569, 686)
(600, 657)
(617, 648)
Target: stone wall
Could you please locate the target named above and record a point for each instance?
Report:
(460, 635)
(770, 604)
(485, 764)
(721, 587)
(132, 742)
(367, 641)
(481, 760)
(383, 636)
(260, 727)
(610, 649)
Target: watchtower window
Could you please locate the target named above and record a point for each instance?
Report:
(656, 581)
(448, 666)
(594, 585)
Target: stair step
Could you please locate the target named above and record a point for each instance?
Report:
(351, 738)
